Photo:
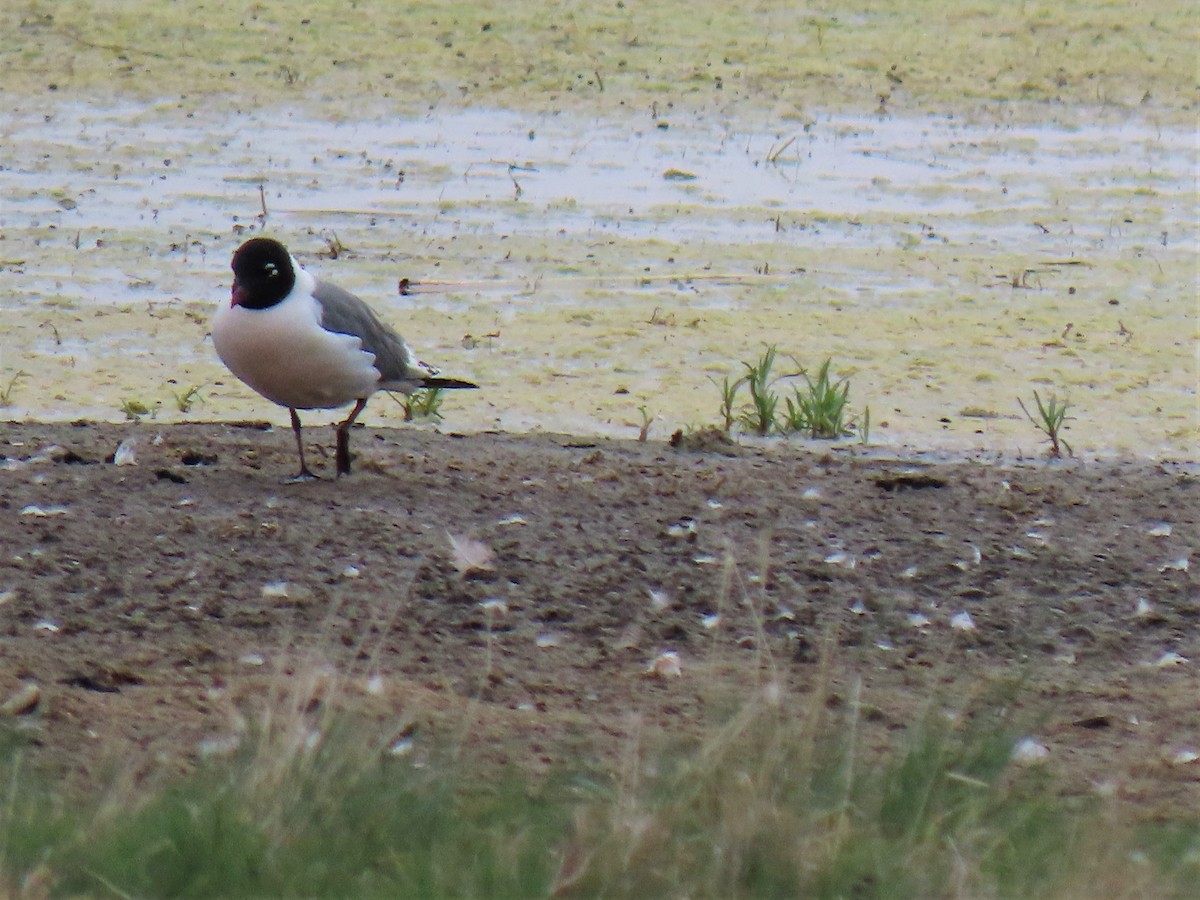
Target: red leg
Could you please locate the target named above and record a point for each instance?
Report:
(343, 438)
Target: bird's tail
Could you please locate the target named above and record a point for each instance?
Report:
(446, 383)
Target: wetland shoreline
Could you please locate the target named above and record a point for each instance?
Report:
(956, 215)
(150, 602)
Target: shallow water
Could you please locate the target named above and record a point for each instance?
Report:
(948, 267)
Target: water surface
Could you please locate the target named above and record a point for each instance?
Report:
(585, 269)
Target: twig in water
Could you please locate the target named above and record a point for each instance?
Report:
(775, 152)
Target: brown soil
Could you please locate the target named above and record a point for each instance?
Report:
(143, 600)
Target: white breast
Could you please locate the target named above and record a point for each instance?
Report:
(284, 353)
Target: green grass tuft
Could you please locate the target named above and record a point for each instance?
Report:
(286, 818)
(759, 417)
(1051, 419)
(186, 399)
(134, 409)
(425, 403)
(819, 409)
(781, 798)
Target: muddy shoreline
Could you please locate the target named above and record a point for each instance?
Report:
(155, 605)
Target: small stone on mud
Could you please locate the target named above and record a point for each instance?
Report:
(402, 747)
(842, 559)
(683, 528)
(126, 453)
(22, 701)
(962, 622)
(195, 458)
(470, 555)
(43, 512)
(218, 745)
(1170, 659)
(665, 665)
(1027, 751)
(975, 558)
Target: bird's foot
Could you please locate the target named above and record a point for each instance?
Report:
(301, 477)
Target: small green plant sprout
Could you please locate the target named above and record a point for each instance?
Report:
(864, 427)
(729, 393)
(6, 395)
(134, 409)
(759, 418)
(425, 403)
(819, 408)
(1051, 419)
(185, 400)
(647, 421)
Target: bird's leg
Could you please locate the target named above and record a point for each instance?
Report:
(303, 474)
(343, 438)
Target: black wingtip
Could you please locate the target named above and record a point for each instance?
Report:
(447, 384)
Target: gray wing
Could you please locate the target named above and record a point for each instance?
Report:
(343, 312)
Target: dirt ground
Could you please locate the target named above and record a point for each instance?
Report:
(156, 604)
